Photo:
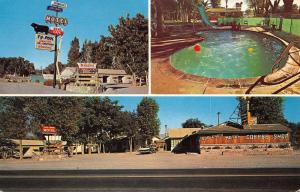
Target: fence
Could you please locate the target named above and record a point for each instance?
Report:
(287, 25)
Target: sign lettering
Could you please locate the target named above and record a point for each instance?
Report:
(56, 20)
(44, 42)
(59, 4)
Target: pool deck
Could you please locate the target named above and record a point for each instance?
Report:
(168, 80)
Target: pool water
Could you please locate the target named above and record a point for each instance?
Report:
(226, 54)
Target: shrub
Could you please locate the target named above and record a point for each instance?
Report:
(283, 146)
(48, 83)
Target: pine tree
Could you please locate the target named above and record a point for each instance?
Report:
(74, 54)
(268, 110)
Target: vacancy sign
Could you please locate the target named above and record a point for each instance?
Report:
(45, 42)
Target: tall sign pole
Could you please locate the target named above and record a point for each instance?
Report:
(55, 55)
(45, 38)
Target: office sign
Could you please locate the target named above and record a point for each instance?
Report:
(87, 68)
(58, 4)
(56, 20)
(53, 8)
(45, 42)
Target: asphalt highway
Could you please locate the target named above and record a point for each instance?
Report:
(223, 180)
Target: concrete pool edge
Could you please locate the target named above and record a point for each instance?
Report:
(289, 70)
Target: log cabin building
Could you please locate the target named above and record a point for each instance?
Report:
(230, 136)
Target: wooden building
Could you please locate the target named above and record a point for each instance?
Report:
(175, 135)
(230, 137)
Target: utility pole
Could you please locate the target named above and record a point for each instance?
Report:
(218, 118)
(166, 129)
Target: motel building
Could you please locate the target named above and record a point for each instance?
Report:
(232, 137)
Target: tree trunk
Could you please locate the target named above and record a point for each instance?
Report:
(21, 149)
(158, 17)
(100, 147)
(76, 151)
(90, 150)
(130, 144)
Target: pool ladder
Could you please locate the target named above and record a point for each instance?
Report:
(282, 55)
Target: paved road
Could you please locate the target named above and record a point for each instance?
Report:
(224, 180)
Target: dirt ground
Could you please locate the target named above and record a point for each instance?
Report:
(27, 88)
(35, 88)
(160, 160)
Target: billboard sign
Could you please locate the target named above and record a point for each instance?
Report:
(45, 42)
(53, 8)
(58, 4)
(56, 31)
(48, 129)
(56, 20)
(87, 68)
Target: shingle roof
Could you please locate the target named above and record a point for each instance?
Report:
(111, 71)
(181, 132)
(258, 128)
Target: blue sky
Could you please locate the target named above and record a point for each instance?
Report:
(175, 110)
(88, 19)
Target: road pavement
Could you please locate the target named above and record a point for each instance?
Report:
(245, 180)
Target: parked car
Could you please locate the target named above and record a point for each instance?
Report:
(148, 149)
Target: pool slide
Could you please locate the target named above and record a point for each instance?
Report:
(205, 19)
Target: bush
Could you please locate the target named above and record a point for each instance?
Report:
(227, 147)
(216, 147)
(283, 146)
(48, 83)
(253, 147)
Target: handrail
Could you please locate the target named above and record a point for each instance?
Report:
(283, 53)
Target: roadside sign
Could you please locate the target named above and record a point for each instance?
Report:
(48, 129)
(56, 9)
(56, 31)
(56, 20)
(45, 42)
(87, 68)
(59, 4)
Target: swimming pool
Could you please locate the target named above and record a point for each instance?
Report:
(230, 54)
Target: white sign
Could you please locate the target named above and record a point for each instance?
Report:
(87, 65)
(45, 42)
(58, 4)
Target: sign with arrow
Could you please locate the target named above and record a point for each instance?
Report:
(53, 8)
(56, 31)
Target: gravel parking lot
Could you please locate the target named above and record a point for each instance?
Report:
(160, 160)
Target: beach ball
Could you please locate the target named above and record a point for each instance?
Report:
(197, 48)
(250, 50)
